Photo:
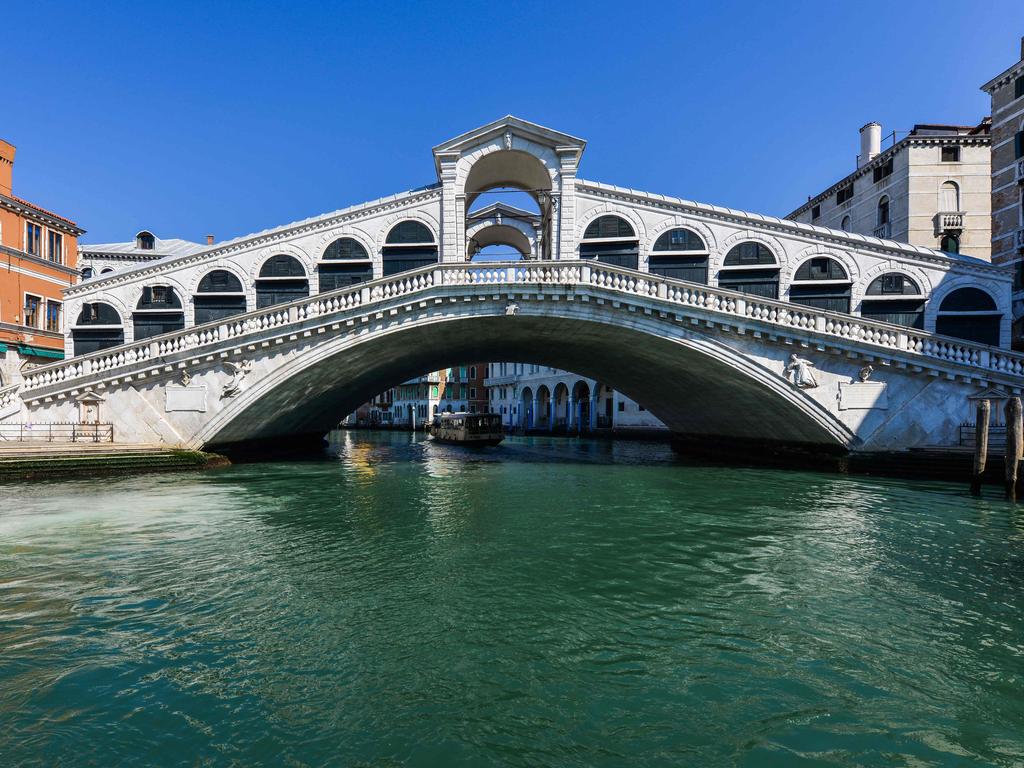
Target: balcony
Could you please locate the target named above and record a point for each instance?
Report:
(884, 231)
(949, 221)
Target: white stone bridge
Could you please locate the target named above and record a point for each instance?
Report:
(707, 361)
(693, 310)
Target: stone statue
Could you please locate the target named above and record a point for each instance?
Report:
(511, 308)
(238, 371)
(800, 370)
(508, 139)
(865, 373)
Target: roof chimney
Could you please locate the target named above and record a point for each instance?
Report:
(209, 239)
(870, 143)
(6, 166)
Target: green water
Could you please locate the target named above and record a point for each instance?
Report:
(544, 603)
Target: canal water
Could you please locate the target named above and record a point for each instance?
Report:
(543, 603)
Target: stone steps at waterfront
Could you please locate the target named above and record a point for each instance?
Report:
(57, 460)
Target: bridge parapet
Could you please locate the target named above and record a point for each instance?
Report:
(738, 310)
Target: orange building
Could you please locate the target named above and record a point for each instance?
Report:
(39, 252)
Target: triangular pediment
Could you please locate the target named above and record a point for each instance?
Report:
(990, 393)
(538, 134)
(89, 397)
(503, 209)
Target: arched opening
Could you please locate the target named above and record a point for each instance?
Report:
(526, 408)
(604, 404)
(582, 407)
(751, 268)
(409, 245)
(845, 224)
(949, 243)
(561, 407)
(87, 273)
(949, 197)
(543, 417)
(106, 270)
(282, 279)
(498, 242)
(515, 179)
(220, 294)
(681, 254)
(821, 282)
(158, 311)
(611, 240)
(98, 326)
(894, 298)
(971, 314)
(883, 224)
(145, 241)
(345, 262)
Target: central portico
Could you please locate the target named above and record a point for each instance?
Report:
(516, 154)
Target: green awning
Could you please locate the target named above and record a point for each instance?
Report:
(3, 347)
(56, 354)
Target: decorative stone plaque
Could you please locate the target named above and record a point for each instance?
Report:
(863, 395)
(190, 398)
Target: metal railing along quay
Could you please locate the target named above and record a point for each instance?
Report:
(57, 432)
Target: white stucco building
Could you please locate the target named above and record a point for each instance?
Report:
(930, 188)
(98, 259)
(539, 397)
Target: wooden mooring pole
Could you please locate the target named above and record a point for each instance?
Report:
(1014, 441)
(981, 420)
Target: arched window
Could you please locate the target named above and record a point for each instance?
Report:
(883, 224)
(611, 240)
(681, 254)
(751, 268)
(845, 225)
(106, 270)
(949, 197)
(409, 245)
(969, 313)
(949, 243)
(822, 283)
(282, 279)
(345, 262)
(219, 295)
(158, 311)
(87, 273)
(894, 298)
(145, 241)
(97, 327)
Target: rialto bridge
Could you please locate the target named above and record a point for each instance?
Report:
(722, 323)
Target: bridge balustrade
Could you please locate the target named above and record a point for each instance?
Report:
(349, 299)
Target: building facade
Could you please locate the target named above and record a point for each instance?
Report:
(536, 397)
(810, 265)
(1006, 91)
(39, 251)
(931, 188)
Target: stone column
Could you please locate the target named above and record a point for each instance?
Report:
(594, 401)
(570, 414)
(533, 413)
(551, 414)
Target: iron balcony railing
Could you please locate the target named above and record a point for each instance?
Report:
(884, 231)
(56, 432)
(336, 308)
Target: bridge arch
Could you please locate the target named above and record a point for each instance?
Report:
(666, 366)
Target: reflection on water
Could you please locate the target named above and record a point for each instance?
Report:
(544, 602)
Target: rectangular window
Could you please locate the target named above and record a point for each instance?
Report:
(33, 238)
(1018, 276)
(815, 211)
(32, 310)
(1018, 87)
(53, 316)
(883, 171)
(950, 154)
(472, 393)
(622, 405)
(55, 246)
(844, 194)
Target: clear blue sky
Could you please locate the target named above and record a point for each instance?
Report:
(188, 118)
